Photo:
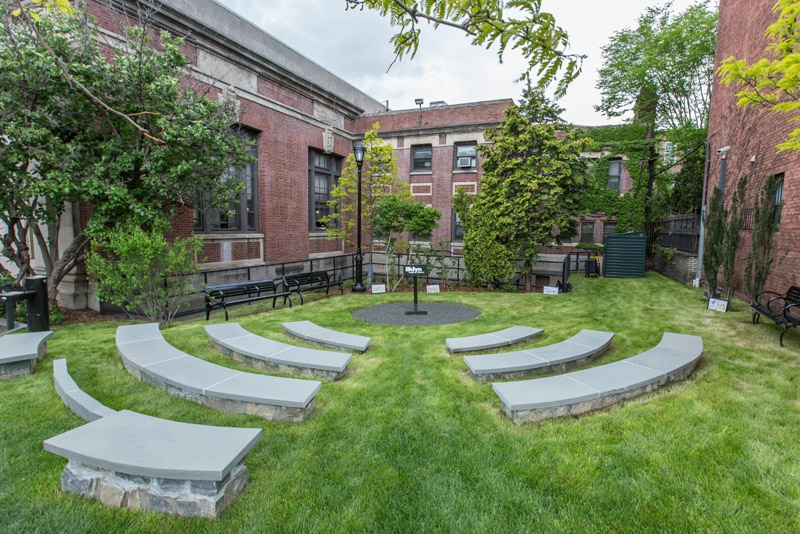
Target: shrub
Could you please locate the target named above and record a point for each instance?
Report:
(141, 272)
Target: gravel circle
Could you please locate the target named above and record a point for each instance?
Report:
(395, 314)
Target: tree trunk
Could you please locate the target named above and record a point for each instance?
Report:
(72, 256)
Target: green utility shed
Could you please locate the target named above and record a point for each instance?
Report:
(625, 255)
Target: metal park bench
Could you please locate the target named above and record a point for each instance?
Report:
(225, 295)
(784, 308)
(300, 283)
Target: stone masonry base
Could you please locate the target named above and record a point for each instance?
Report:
(271, 367)
(267, 411)
(531, 416)
(185, 498)
(22, 367)
(558, 367)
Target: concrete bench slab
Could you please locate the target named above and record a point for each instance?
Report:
(269, 355)
(589, 389)
(502, 338)
(149, 357)
(309, 331)
(578, 350)
(20, 352)
(84, 406)
(131, 460)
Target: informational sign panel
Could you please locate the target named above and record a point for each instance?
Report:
(718, 305)
(432, 288)
(415, 270)
(378, 288)
(550, 290)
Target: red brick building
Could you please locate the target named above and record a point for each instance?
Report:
(305, 121)
(746, 139)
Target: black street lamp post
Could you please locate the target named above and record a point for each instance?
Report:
(358, 151)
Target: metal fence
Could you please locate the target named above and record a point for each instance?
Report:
(675, 231)
(448, 269)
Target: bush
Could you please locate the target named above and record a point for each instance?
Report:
(141, 272)
(591, 246)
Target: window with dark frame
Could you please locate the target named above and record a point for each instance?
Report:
(777, 207)
(614, 174)
(323, 175)
(465, 156)
(609, 227)
(587, 232)
(421, 158)
(458, 229)
(241, 214)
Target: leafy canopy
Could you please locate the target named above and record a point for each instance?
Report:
(774, 81)
(532, 185)
(505, 24)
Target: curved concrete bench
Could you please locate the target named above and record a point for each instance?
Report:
(578, 350)
(261, 353)
(673, 359)
(148, 357)
(503, 338)
(84, 406)
(20, 352)
(309, 331)
(130, 460)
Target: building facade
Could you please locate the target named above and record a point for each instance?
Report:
(743, 143)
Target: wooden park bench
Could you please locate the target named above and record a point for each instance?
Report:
(225, 295)
(303, 282)
(784, 308)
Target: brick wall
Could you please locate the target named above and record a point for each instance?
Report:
(752, 135)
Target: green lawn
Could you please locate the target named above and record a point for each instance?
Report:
(409, 442)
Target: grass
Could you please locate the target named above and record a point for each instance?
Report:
(409, 442)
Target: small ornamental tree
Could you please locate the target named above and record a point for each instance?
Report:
(142, 273)
(379, 179)
(395, 215)
(714, 241)
(732, 236)
(760, 260)
(533, 182)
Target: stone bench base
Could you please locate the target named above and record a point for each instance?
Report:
(15, 369)
(267, 411)
(531, 416)
(273, 367)
(554, 368)
(185, 498)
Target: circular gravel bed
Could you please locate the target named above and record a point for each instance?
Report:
(395, 314)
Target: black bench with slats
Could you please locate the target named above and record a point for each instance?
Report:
(225, 295)
(300, 283)
(784, 308)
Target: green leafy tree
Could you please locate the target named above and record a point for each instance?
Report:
(141, 272)
(504, 24)
(395, 215)
(773, 81)
(733, 235)
(379, 179)
(661, 71)
(532, 184)
(715, 240)
(59, 146)
(760, 260)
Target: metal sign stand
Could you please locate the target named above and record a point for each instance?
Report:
(415, 271)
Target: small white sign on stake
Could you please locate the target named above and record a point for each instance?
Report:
(718, 305)
(378, 288)
(550, 290)
(432, 288)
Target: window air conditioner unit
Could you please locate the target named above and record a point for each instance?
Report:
(465, 162)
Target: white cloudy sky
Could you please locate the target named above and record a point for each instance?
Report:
(354, 45)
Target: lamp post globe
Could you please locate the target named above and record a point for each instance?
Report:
(359, 150)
